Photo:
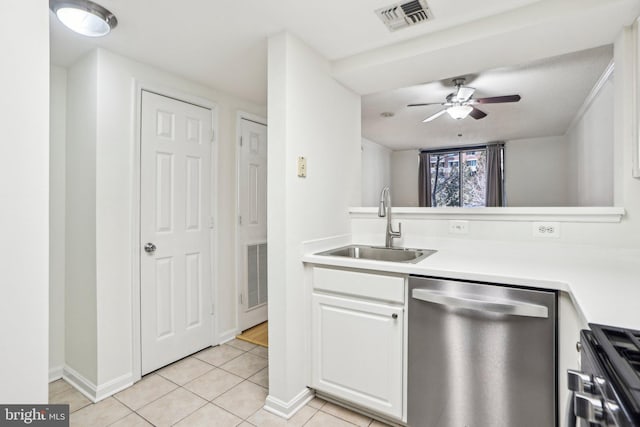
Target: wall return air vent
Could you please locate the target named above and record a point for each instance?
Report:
(402, 15)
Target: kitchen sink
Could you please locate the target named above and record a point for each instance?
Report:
(379, 253)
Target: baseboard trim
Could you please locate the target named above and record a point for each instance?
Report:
(112, 387)
(227, 336)
(288, 409)
(94, 392)
(80, 383)
(55, 373)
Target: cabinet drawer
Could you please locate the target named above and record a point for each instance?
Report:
(375, 286)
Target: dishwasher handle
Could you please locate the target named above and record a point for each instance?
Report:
(497, 306)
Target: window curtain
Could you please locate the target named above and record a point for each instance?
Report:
(495, 175)
(424, 181)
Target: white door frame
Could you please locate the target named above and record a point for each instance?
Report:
(239, 256)
(138, 87)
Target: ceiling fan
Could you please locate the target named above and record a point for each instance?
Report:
(460, 104)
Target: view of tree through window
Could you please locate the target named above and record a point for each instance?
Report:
(458, 178)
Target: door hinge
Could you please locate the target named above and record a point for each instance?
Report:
(241, 299)
(213, 135)
(239, 219)
(211, 223)
(240, 141)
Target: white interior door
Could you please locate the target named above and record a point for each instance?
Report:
(175, 218)
(252, 224)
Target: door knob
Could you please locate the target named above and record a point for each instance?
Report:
(149, 248)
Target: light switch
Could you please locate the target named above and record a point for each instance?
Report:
(302, 167)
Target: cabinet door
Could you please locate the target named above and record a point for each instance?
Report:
(357, 352)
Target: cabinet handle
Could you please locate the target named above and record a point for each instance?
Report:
(394, 315)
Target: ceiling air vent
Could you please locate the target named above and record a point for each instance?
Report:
(402, 15)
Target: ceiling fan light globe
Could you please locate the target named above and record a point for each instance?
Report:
(459, 112)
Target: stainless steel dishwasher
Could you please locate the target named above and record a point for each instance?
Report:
(480, 355)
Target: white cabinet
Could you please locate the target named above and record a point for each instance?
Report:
(357, 342)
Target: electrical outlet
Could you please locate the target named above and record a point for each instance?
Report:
(459, 227)
(546, 229)
(302, 167)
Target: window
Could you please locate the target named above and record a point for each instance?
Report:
(460, 177)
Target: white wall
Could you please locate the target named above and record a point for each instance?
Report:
(327, 132)
(591, 151)
(57, 171)
(114, 145)
(404, 178)
(24, 217)
(80, 211)
(376, 171)
(535, 171)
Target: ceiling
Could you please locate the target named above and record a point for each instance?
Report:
(552, 91)
(223, 43)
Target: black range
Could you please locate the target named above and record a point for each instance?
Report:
(607, 390)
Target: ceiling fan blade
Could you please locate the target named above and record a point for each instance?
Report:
(477, 114)
(434, 116)
(498, 99)
(464, 93)
(428, 103)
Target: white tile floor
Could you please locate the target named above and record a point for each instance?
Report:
(220, 386)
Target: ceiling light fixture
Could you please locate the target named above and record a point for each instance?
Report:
(459, 112)
(84, 17)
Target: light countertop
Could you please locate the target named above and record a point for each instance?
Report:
(604, 283)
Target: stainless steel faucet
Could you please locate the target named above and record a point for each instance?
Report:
(385, 210)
